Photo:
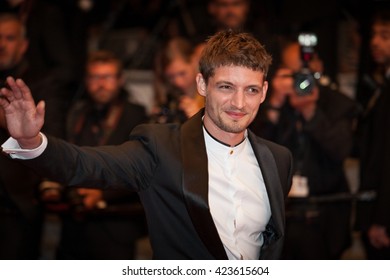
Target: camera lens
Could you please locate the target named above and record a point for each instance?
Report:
(303, 83)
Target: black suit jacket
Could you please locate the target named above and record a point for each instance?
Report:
(167, 165)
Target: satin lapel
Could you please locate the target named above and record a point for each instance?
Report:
(195, 185)
(272, 182)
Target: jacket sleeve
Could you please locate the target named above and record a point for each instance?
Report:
(129, 165)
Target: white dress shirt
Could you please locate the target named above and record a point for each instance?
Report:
(11, 147)
(238, 198)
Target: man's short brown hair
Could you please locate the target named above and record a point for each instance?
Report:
(104, 56)
(231, 48)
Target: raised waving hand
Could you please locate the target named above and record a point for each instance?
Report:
(23, 118)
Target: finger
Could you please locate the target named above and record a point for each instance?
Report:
(4, 102)
(19, 90)
(25, 90)
(41, 109)
(15, 90)
(4, 92)
(7, 94)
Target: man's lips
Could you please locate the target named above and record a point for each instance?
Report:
(235, 115)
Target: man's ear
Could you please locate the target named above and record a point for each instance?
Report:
(265, 89)
(201, 84)
(24, 47)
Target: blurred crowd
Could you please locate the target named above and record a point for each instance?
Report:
(103, 67)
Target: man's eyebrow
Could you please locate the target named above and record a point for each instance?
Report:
(224, 82)
(232, 84)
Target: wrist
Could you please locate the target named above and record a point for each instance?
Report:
(30, 143)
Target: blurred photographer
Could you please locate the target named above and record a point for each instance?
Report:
(176, 93)
(315, 122)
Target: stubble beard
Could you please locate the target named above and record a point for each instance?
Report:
(230, 126)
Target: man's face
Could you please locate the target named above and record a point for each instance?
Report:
(103, 82)
(233, 96)
(229, 13)
(291, 57)
(181, 75)
(12, 44)
(380, 43)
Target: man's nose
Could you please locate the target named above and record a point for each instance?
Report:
(238, 99)
(178, 82)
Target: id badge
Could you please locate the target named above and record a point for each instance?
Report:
(300, 187)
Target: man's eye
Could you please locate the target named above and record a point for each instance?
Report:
(11, 38)
(386, 36)
(253, 90)
(225, 87)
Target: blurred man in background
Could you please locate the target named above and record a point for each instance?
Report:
(374, 137)
(316, 125)
(100, 224)
(229, 13)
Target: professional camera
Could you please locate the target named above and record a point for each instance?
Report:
(305, 79)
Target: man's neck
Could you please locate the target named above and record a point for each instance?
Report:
(227, 138)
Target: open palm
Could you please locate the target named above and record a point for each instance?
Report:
(24, 119)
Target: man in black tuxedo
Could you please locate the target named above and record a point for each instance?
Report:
(211, 189)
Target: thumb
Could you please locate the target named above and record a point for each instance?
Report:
(41, 109)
